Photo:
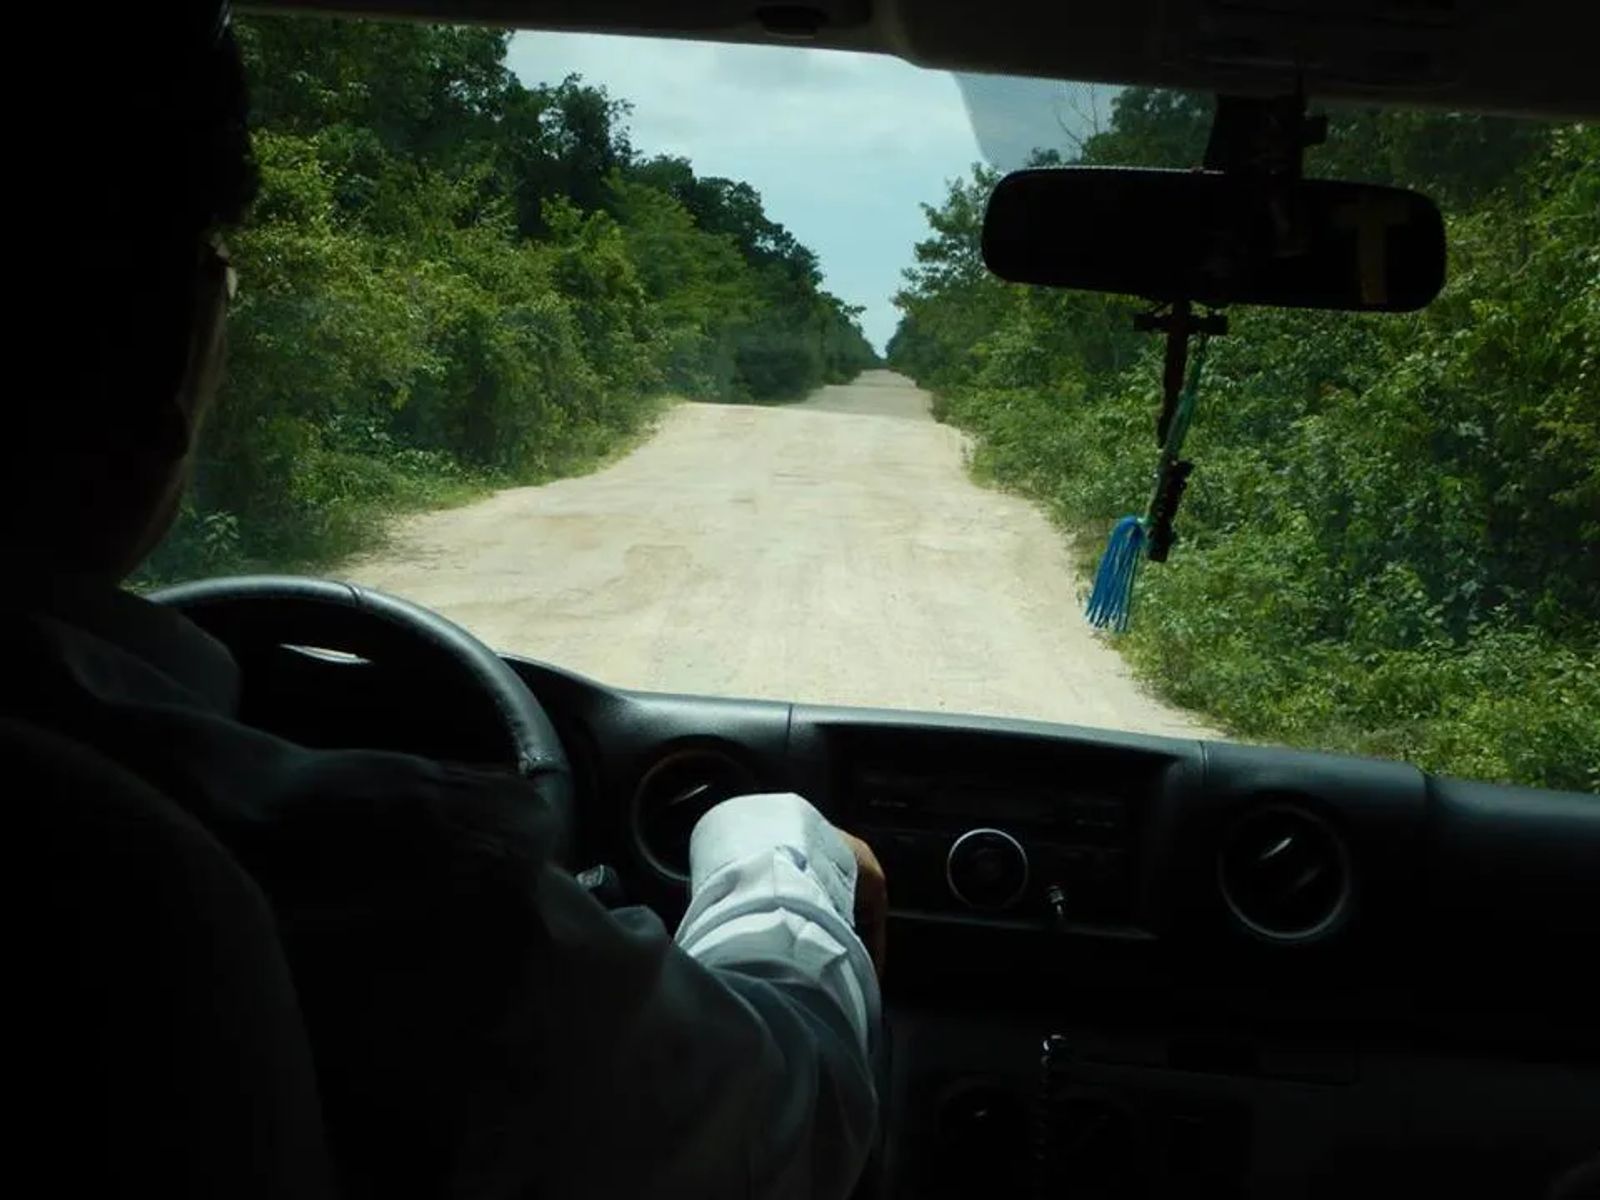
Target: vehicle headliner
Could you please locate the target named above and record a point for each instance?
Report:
(1532, 57)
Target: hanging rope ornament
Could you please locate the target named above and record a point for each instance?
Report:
(1136, 538)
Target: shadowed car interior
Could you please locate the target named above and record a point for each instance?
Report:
(1119, 964)
(1141, 966)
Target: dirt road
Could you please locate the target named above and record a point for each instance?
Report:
(831, 551)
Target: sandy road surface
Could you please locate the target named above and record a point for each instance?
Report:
(832, 551)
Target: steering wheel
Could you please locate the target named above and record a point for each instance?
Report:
(254, 610)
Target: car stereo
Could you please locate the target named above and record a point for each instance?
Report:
(993, 825)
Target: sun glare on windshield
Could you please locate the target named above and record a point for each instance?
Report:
(678, 366)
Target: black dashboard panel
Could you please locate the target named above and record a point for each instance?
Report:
(1226, 970)
(1129, 843)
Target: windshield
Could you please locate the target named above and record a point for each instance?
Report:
(676, 365)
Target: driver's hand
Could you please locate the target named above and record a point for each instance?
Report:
(872, 899)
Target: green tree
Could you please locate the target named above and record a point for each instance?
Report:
(1391, 542)
(454, 281)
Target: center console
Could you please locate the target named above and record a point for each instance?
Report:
(1011, 831)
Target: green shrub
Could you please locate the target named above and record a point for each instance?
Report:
(1391, 539)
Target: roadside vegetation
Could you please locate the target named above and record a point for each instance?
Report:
(1391, 541)
(453, 282)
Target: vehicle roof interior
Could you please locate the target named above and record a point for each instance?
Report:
(1533, 57)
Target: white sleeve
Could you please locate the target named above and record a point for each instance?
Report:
(730, 1063)
(771, 881)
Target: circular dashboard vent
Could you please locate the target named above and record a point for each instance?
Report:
(1285, 873)
(674, 794)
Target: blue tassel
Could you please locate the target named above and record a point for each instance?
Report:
(1112, 598)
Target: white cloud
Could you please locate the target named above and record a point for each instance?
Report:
(842, 147)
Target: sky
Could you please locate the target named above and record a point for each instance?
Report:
(843, 148)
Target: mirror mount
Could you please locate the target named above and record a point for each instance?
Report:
(1267, 136)
(1263, 139)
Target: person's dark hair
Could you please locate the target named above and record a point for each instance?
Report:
(174, 143)
(145, 151)
(136, 146)
(202, 121)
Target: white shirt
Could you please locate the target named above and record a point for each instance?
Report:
(770, 880)
(734, 1064)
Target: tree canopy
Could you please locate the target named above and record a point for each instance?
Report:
(452, 279)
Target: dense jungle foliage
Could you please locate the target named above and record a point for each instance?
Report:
(1391, 540)
(452, 281)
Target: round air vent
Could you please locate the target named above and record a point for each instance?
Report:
(1285, 873)
(674, 794)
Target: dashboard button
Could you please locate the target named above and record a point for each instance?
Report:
(987, 869)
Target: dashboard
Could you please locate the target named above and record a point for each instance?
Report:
(1125, 966)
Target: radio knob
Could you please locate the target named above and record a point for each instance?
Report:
(987, 869)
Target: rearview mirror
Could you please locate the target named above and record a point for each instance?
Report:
(1216, 238)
